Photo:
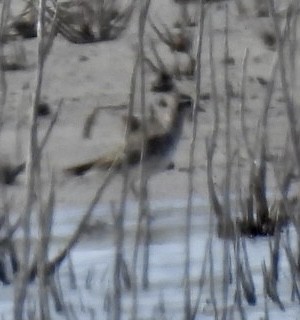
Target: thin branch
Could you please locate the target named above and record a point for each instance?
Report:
(243, 105)
(32, 171)
(290, 108)
(188, 221)
(45, 139)
(57, 260)
(144, 9)
(212, 142)
(120, 218)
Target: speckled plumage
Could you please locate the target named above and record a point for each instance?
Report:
(159, 146)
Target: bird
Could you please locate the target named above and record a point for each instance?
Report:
(154, 122)
(159, 146)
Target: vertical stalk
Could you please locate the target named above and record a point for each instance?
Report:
(228, 121)
(290, 108)
(33, 163)
(143, 210)
(292, 22)
(227, 191)
(144, 200)
(147, 241)
(3, 83)
(212, 270)
(120, 218)
(45, 226)
(211, 142)
(187, 287)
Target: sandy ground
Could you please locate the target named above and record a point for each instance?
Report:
(86, 76)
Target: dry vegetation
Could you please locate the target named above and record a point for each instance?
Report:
(248, 161)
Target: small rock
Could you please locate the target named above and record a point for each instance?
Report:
(83, 58)
(43, 109)
(262, 81)
(229, 61)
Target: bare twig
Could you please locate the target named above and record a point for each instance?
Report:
(271, 288)
(143, 205)
(228, 145)
(212, 142)
(50, 127)
(57, 260)
(143, 209)
(294, 268)
(238, 291)
(3, 83)
(32, 171)
(247, 278)
(45, 225)
(290, 108)
(211, 270)
(187, 288)
(243, 105)
(202, 279)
